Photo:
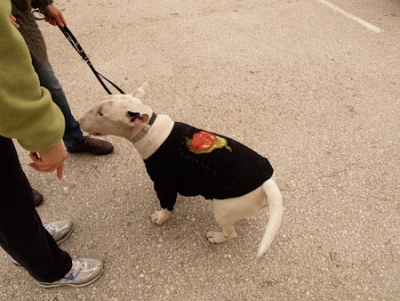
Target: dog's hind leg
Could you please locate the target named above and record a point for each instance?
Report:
(229, 211)
(228, 232)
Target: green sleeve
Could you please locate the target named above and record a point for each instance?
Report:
(27, 112)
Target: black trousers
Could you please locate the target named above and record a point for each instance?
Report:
(22, 234)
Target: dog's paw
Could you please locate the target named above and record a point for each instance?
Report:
(218, 237)
(160, 217)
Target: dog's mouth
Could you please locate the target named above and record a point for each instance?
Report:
(133, 115)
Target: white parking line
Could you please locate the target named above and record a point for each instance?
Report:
(351, 16)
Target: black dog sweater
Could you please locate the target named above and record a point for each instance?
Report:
(194, 162)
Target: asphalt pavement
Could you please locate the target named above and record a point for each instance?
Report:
(313, 85)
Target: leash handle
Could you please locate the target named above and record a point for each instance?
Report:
(74, 42)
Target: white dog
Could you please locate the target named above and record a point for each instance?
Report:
(183, 159)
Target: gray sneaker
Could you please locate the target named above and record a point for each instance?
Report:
(60, 230)
(84, 271)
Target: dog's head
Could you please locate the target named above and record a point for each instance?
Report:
(118, 114)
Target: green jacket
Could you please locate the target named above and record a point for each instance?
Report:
(27, 112)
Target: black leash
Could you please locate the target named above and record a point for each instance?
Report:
(74, 42)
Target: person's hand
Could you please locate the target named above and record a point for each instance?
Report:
(54, 16)
(50, 160)
(13, 21)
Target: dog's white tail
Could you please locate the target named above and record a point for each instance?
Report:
(275, 215)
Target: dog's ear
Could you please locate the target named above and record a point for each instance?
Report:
(135, 118)
(142, 91)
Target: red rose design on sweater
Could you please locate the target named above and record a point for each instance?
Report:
(205, 142)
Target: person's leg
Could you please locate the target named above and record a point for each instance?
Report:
(22, 234)
(73, 137)
(73, 134)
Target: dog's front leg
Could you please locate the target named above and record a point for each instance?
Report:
(160, 217)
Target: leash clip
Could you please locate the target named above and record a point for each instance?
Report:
(37, 14)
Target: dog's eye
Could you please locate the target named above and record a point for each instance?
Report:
(100, 113)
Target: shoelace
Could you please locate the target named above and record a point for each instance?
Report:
(76, 268)
(51, 229)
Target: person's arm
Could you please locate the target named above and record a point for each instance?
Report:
(52, 14)
(50, 160)
(27, 112)
(41, 4)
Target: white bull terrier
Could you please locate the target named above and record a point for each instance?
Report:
(183, 159)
